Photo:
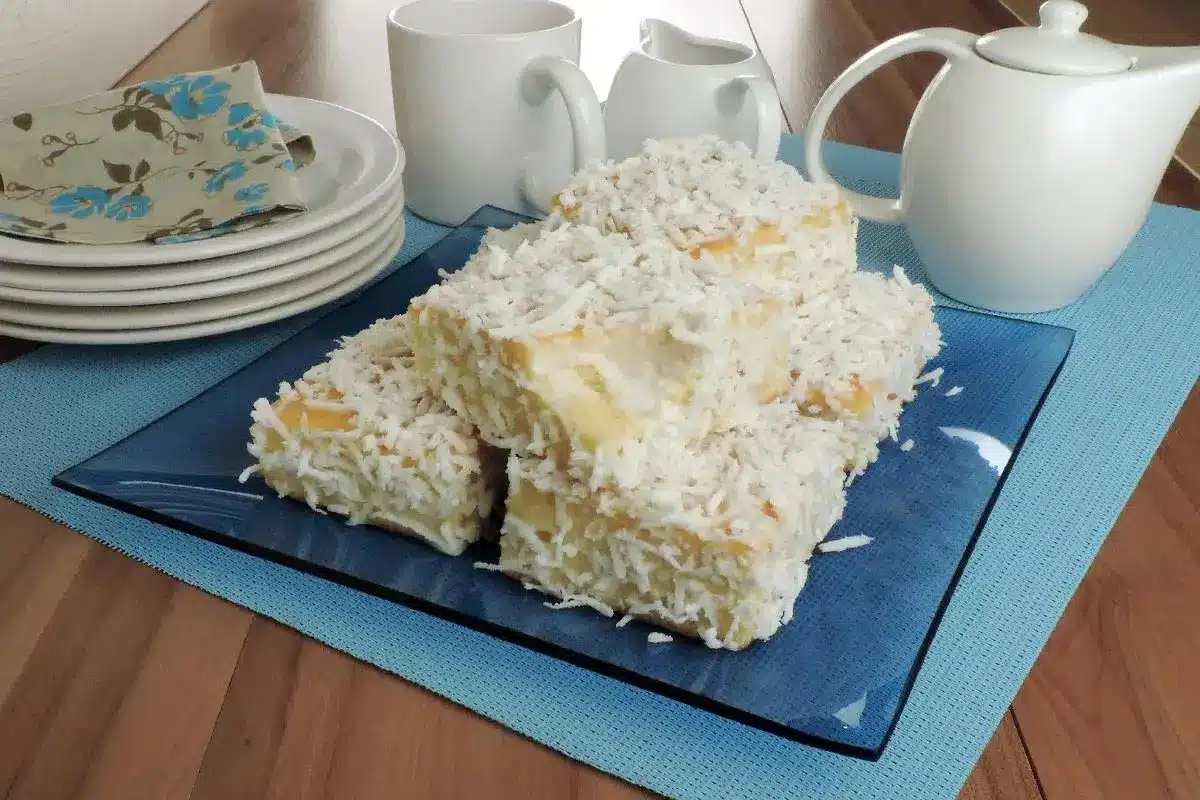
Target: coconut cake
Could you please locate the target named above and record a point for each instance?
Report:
(361, 436)
(713, 542)
(575, 340)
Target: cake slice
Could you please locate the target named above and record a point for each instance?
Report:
(574, 340)
(712, 540)
(361, 436)
(709, 196)
(857, 350)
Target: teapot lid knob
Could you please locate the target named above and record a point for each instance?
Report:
(1062, 16)
(1056, 46)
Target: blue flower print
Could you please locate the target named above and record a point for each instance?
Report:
(164, 86)
(80, 203)
(233, 171)
(240, 112)
(250, 211)
(243, 139)
(7, 219)
(200, 97)
(288, 164)
(252, 193)
(131, 206)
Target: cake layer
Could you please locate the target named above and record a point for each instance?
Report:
(857, 350)
(574, 340)
(708, 196)
(361, 436)
(712, 540)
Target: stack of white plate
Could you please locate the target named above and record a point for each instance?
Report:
(135, 293)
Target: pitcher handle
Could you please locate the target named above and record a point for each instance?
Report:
(547, 74)
(769, 115)
(949, 42)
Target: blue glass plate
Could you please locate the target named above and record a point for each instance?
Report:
(836, 677)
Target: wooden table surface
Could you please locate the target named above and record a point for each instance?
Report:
(118, 682)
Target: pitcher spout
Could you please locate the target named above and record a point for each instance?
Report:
(659, 36)
(663, 41)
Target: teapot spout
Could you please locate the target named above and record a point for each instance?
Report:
(666, 42)
(1177, 68)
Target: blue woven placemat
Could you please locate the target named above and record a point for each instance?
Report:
(1136, 356)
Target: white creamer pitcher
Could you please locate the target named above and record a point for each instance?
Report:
(679, 85)
(1032, 158)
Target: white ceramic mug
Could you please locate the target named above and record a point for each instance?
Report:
(490, 104)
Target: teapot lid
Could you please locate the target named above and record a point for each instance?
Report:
(1056, 46)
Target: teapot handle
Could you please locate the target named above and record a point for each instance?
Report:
(954, 44)
(543, 76)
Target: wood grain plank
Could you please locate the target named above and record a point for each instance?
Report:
(396, 739)
(314, 719)
(241, 752)
(53, 52)
(157, 739)
(99, 683)
(40, 692)
(1109, 711)
(38, 562)
(1004, 772)
(302, 721)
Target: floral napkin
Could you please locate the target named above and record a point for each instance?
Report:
(185, 157)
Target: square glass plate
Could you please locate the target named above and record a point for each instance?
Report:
(836, 677)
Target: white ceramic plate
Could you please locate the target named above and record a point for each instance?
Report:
(358, 162)
(214, 327)
(218, 288)
(16, 279)
(107, 318)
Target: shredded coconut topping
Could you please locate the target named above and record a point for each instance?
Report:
(856, 352)
(692, 192)
(577, 276)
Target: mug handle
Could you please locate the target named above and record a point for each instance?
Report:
(769, 115)
(546, 74)
(954, 44)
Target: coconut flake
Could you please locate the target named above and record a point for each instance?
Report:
(845, 543)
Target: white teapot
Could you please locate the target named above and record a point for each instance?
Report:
(677, 85)
(1032, 158)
